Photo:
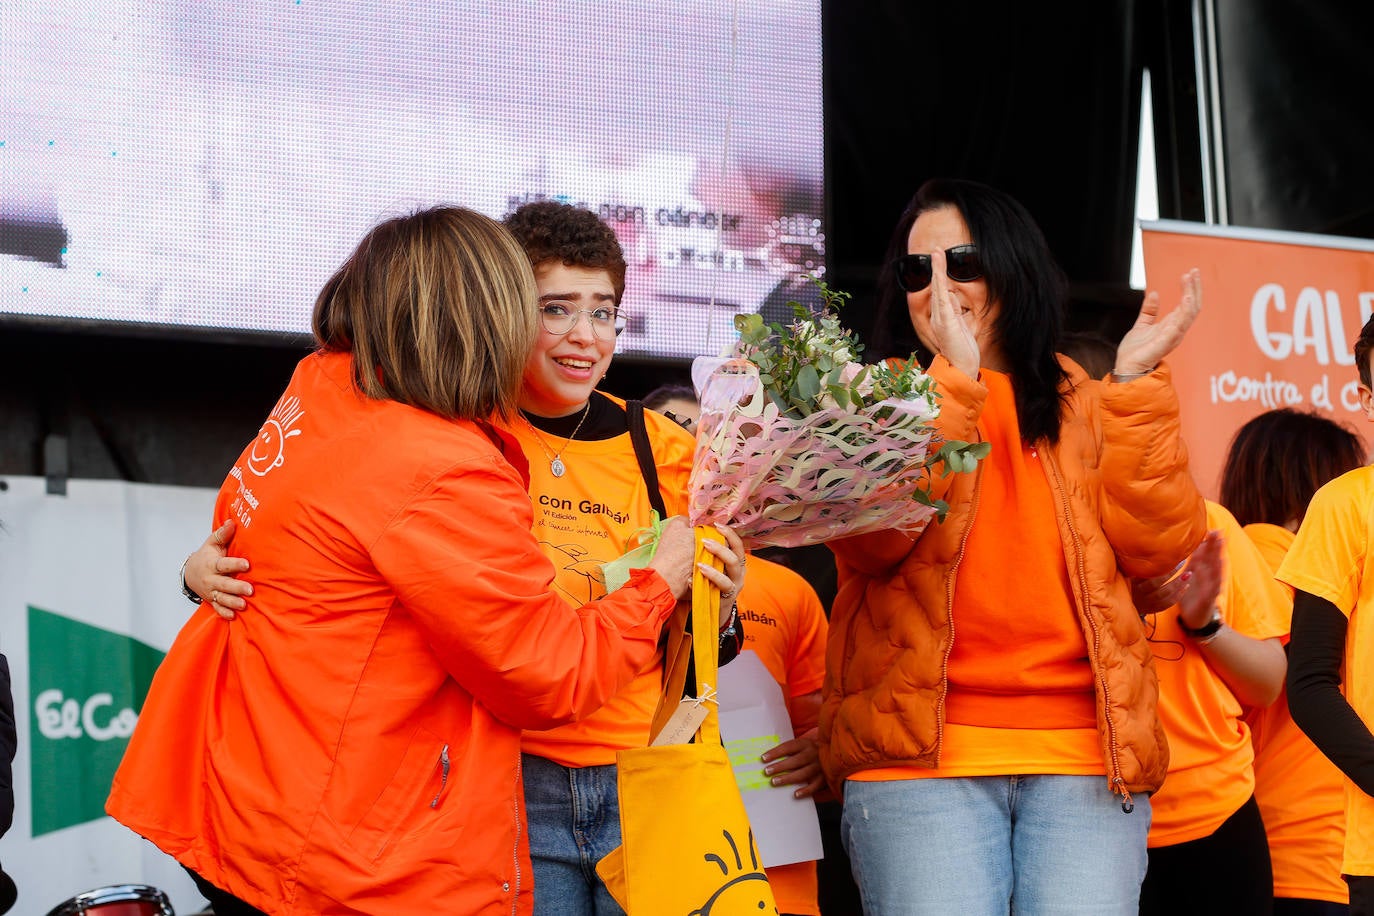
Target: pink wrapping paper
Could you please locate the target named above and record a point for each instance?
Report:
(786, 482)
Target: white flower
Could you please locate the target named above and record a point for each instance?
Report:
(921, 409)
(852, 371)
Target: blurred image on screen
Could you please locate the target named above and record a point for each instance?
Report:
(207, 165)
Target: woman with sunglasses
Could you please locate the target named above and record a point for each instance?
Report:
(590, 497)
(990, 706)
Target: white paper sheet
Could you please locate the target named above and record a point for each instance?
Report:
(753, 719)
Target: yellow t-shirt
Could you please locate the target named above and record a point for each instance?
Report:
(584, 519)
(1211, 761)
(1330, 558)
(784, 624)
(1300, 793)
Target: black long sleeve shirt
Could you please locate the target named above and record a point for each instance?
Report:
(1316, 651)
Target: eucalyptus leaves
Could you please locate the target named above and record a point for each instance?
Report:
(812, 365)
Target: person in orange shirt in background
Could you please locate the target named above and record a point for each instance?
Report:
(1274, 464)
(352, 746)
(785, 626)
(1331, 652)
(1215, 632)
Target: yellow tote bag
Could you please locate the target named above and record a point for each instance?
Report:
(686, 845)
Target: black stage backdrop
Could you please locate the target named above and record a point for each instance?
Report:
(1041, 100)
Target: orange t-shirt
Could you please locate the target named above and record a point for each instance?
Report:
(784, 624)
(1301, 794)
(1331, 559)
(1272, 542)
(584, 519)
(1211, 772)
(1021, 697)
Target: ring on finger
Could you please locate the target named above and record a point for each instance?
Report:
(214, 596)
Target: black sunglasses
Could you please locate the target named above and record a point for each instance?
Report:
(961, 263)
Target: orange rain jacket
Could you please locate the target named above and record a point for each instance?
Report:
(1126, 506)
(351, 744)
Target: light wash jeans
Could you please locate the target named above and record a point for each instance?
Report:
(993, 845)
(574, 820)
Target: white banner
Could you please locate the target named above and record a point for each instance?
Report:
(88, 604)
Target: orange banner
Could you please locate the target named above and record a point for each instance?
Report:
(1280, 316)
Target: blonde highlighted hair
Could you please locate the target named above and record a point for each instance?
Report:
(438, 309)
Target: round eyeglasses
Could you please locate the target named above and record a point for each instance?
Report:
(558, 318)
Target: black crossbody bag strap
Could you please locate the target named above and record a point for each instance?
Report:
(644, 454)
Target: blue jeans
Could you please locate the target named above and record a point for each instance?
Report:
(993, 845)
(574, 820)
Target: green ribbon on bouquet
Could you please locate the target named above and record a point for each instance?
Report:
(617, 572)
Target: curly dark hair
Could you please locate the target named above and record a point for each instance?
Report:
(553, 231)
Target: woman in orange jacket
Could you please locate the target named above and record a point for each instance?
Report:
(353, 746)
(990, 700)
(590, 497)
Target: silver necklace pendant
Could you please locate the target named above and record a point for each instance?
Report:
(557, 467)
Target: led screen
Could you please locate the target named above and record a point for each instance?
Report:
(208, 164)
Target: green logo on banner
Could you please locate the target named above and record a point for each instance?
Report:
(86, 687)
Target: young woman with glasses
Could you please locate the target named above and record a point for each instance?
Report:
(590, 497)
(990, 706)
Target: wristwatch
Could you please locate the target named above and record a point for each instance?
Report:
(1204, 632)
(186, 589)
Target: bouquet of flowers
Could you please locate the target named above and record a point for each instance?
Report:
(799, 443)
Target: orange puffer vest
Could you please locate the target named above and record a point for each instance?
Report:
(1125, 506)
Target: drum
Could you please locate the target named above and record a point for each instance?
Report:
(117, 900)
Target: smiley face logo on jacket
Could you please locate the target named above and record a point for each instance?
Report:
(268, 450)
